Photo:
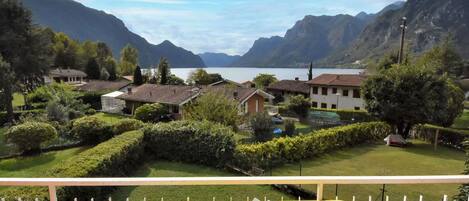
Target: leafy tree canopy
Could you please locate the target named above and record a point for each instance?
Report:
(202, 77)
(128, 60)
(264, 80)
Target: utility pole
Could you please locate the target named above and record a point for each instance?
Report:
(401, 50)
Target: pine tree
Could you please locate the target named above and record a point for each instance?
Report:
(164, 72)
(138, 78)
(92, 69)
(310, 71)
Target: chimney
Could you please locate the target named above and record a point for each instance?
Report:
(235, 95)
(129, 90)
(297, 79)
(174, 91)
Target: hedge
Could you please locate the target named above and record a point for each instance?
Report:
(289, 149)
(447, 136)
(18, 114)
(117, 157)
(202, 143)
(348, 115)
(93, 99)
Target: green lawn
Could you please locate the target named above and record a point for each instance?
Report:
(418, 159)
(463, 121)
(199, 193)
(18, 99)
(110, 118)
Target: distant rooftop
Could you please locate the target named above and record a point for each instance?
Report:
(338, 80)
(58, 72)
(290, 85)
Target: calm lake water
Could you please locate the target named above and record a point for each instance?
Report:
(245, 74)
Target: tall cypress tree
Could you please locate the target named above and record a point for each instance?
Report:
(92, 69)
(138, 78)
(164, 72)
(310, 71)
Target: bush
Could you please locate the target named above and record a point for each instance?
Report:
(93, 99)
(29, 137)
(283, 150)
(90, 111)
(447, 136)
(117, 157)
(126, 125)
(91, 130)
(151, 112)
(19, 114)
(262, 126)
(299, 105)
(289, 128)
(203, 143)
(350, 115)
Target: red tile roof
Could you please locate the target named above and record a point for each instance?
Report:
(338, 80)
(291, 86)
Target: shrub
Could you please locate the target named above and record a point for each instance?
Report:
(289, 128)
(125, 125)
(91, 130)
(29, 137)
(350, 115)
(93, 99)
(283, 150)
(151, 112)
(299, 105)
(19, 114)
(203, 143)
(90, 111)
(114, 158)
(262, 126)
(447, 136)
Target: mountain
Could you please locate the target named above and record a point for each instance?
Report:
(429, 22)
(83, 23)
(311, 39)
(218, 59)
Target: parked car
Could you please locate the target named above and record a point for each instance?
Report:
(277, 119)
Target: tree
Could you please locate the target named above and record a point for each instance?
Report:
(163, 73)
(443, 58)
(138, 78)
(310, 71)
(264, 80)
(86, 51)
(299, 105)
(102, 52)
(406, 95)
(65, 51)
(214, 107)
(151, 112)
(29, 136)
(110, 65)
(92, 69)
(129, 60)
(175, 80)
(201, 77)
(25, 48)
(262, 126)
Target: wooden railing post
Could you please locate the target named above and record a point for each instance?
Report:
(52, 193)
(319, 192)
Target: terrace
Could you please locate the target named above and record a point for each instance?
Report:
(320, 181)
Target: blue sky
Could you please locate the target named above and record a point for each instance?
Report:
(228, 26)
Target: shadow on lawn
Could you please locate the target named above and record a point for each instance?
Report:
(427, 149)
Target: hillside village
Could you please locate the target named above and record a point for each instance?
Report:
(78, 122)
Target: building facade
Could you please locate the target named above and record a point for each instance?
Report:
(337, 91)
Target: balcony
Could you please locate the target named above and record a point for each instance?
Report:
(319, 181)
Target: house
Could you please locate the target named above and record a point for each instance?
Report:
(250, 100)
(337, 91)
(249, 84)
(68, 76)
(284, 89)
(105, 86)
(226, 82)
(173, 96)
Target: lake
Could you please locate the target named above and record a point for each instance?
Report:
(244, 74)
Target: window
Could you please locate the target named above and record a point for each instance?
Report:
(314, 104)
(324, 105)
(333, 106)
(334, 90)
(315, 90)
(345, 92)
(324, 91)
(356, 93)
(357, 108)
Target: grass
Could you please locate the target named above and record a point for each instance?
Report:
(110, 118)
(466, 104)
(417, 159)
(196, 193)
(301, 128)
(18, 100)
(463, 121)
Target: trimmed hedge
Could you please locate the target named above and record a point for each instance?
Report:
(117, 157)
(203, 143)
(447, 136)
(127, 124)
(348, 115)
(91, 130)
(284, 150)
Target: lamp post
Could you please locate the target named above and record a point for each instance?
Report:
(337, 105)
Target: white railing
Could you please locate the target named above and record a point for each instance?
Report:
(320, 181)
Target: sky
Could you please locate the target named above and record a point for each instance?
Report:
(227, 26)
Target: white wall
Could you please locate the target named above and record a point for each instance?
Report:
(345, 102)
